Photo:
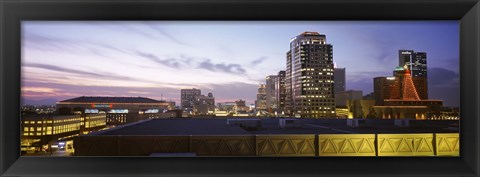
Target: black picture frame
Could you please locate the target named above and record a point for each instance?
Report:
(14, 11)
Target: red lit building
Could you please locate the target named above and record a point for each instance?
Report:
(397, 98)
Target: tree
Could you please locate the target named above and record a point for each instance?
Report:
(371, 113)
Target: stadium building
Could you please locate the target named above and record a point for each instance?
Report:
(119, 110)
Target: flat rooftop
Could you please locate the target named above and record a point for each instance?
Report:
(218, 126)
(97, 99)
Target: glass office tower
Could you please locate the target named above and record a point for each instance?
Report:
(309, 77)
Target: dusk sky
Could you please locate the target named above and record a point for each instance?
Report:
(62, 60)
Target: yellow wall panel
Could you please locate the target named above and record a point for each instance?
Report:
(285, 145)
(405, 144)
(346, 144)
(447, 144)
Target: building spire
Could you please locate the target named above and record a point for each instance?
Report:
(409, 91)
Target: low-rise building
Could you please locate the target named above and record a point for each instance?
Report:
(204, 105)
(39, 131)
(118, 110)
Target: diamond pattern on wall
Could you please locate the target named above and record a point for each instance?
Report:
(223, 145)
(285, 145)
(405, 144)
(443, 144)
(448, 144)
(346, 145)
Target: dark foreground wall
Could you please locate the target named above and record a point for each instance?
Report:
(422, 144)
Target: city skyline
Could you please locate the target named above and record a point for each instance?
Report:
(229, 59)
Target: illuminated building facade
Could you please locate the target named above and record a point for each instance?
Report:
(271, 99)
(227, 106)
(261, 102)
(400, 86)
(92, 122)
(421, 86)
(240, 106)
(310, 77)
(118, 110)
(397, 98)
(342, 112)
(40, 130)
(416, 63)
(187, 98)
(280, 91)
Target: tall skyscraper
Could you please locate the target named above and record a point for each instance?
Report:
(310, 77)
(280, 91)
(187, 97)
(339, 79)
(261, 102)
(416, 62)
(271, 99)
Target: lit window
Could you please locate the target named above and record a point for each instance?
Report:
(25, 129)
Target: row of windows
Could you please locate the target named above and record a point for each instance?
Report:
(32, 134)
(316, 88)
(324, 100)
(311, 50)
(317, 85)
(314, 105)
(316, 81)
(316, 112)
(315, 59)
(61, 129)
(315, 96)
(94, 117)
(95, 123)
(117, 119)
(38, 122)
(54, 121)
(38, 129)
(68, 120)
(314, 92)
